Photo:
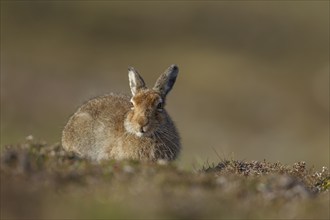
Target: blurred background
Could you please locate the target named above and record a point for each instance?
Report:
(253, 82)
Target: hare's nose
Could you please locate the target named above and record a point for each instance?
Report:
(144, 128)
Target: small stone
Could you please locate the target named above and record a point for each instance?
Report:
(162, 162)
(29, 138)
(128, 169)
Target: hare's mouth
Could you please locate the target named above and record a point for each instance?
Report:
(140, 134)
(143, 134)
(138, 131)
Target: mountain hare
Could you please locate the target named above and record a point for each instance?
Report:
(117, 126)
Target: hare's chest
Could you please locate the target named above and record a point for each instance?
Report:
(130, 148)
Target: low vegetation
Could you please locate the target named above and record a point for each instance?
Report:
(42, 181)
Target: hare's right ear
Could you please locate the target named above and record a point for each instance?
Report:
(135, 81)
(166, 81)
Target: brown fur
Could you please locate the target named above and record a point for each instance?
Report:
(111, 127)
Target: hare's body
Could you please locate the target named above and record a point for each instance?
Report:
(107, 127)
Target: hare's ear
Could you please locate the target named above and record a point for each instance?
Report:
(166, 81)
(135, 81)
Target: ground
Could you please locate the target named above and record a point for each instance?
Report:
(41, 181)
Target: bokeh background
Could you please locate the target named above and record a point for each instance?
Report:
(253, 83)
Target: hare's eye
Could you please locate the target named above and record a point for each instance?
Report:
(132, 104)
(160, 106)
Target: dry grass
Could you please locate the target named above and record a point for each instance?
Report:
(42, 181)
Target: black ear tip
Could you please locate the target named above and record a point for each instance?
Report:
(174, 67)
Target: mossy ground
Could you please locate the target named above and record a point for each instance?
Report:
(41, 181)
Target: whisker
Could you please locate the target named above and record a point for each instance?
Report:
(168, 138)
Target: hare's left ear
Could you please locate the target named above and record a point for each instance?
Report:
(135, 81)
(166, 81)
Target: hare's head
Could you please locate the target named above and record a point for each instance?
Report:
(147, 114)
